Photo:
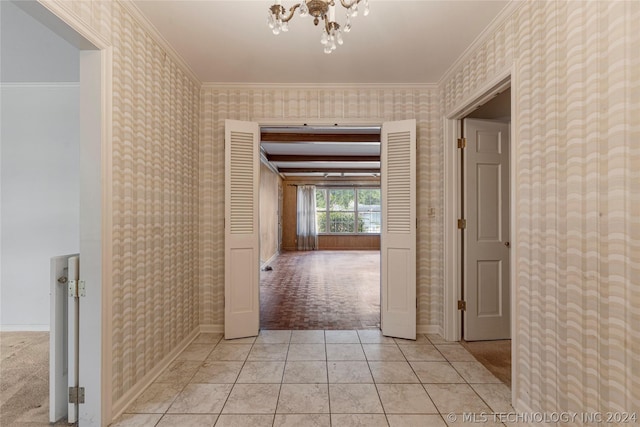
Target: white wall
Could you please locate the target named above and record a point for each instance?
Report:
(32, 52)
(39, 164)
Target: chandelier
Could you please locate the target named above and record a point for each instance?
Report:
(324, 10)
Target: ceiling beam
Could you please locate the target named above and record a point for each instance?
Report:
(320, 158)
(320, 137)
(327, 170)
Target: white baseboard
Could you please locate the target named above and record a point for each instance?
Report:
(134, 392)
(429, 329)
(270, 260)
(421, 329)
(212, 329)
(24, 328)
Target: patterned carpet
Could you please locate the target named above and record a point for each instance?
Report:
(321, 290)
(494, 355)
(24, 379)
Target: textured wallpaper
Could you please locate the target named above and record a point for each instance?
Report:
(577, 133)
(577, 139)
(218, 104)
(155, 195)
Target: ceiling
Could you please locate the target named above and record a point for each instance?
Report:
(340, 152)
(399, 42)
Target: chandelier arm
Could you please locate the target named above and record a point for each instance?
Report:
(291, 12)
(326, 23)
(347, 5)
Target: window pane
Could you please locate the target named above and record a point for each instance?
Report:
(321, 219)
(341, 200)
(342, 222)
(369, 222)
(369, 210)
(369, 200)
(321, 198)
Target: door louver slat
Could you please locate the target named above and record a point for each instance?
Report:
(398, 218)
(242, 196)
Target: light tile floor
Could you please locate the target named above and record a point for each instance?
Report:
(319, 378)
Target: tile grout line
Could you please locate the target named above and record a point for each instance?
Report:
(420, 381)
(326, 356)
(236, 380)
(375, 384)
(286, 358)
(163, 414)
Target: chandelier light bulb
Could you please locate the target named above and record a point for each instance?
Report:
(366, 7)
(339, 37)
(276, 30)
(327, 49)
(324, 39)
(354, 10)
(285, 27)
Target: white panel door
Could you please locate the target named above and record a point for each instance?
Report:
(242, 234)
(398, 237)
(486, 237)
(58, 338)
(73, 336)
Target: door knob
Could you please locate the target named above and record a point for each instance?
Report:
(507, 244)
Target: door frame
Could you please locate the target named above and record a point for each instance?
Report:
(324, 122)
(96, 65)
(452, 326)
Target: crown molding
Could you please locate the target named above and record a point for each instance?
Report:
(318, 86)
(489, 30)
(137, 14)
(52, 13)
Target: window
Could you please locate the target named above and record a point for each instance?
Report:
(348, 210)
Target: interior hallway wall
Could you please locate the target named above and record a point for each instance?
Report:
(40, 152)
(155, 114)
(346, 103)
(270, 183)
(577, 127)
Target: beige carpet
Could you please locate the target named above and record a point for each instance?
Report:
(494, 355)
(24, 379)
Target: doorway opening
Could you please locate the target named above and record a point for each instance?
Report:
(397, 236)
(59, 112)
(325, 275)
(479, 239)
(486, 331)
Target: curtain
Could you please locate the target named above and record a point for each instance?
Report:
(307, 229)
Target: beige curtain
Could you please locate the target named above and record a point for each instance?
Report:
(307, 229)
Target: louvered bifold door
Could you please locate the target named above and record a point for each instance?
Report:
(398, 237)
(241, 262)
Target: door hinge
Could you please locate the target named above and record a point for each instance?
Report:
(462, 142)
(462, 305)
(77, 289)
(76, 395)
(462, 224)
